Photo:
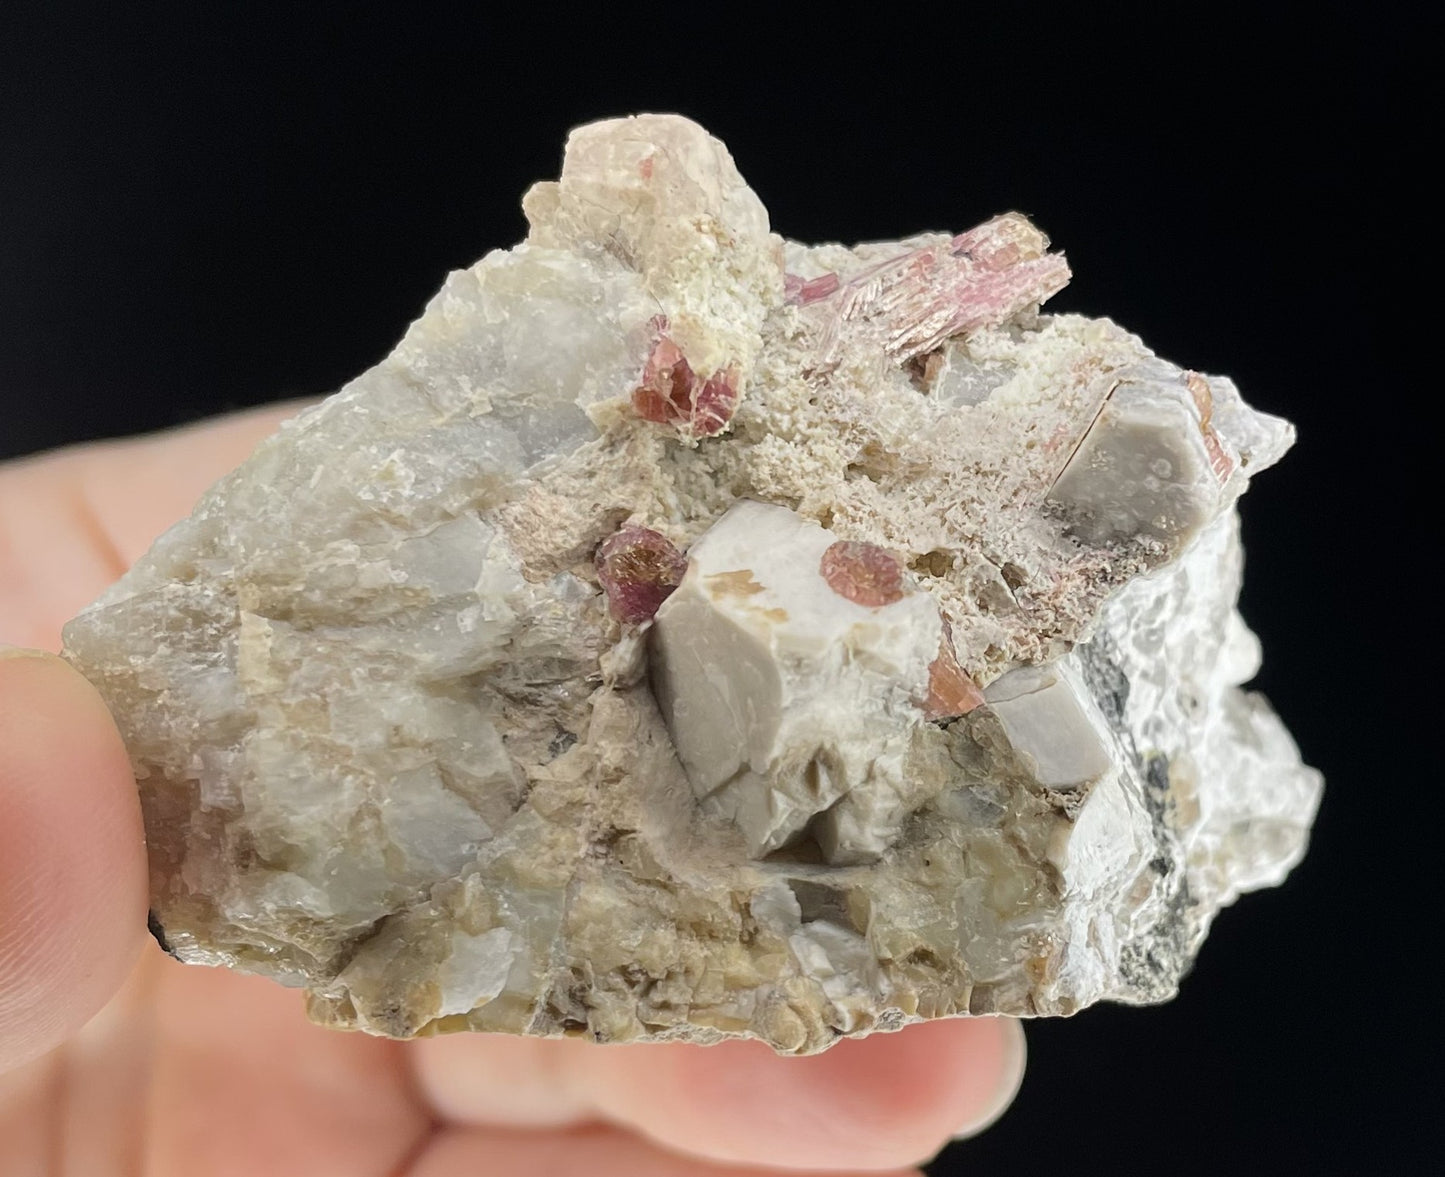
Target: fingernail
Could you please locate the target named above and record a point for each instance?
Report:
(1011, 1077)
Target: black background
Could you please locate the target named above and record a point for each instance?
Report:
(212, 208)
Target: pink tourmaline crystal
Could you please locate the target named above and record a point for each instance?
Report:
(951, 692)
(670, 392)
(665, 392)
(981, 278)
(863, 573)
(801, 291)
(714, 406)
(638, 569)
(1219, 461)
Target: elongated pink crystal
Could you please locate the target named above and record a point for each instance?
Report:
(801, 291)
(1220, 463)
(981, 278)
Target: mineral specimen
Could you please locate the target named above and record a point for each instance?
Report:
(686, 633)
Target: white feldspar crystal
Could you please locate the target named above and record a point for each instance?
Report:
(785, 699)
(940, 712)
(1044, 713)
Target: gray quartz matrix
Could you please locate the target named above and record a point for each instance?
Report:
(944, 716)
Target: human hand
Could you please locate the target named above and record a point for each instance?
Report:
(204, 1072)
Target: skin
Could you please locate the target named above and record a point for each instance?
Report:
(115, 1060)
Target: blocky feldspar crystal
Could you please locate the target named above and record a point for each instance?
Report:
(783, 693)
(686, 633)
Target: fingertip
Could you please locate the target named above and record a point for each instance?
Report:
(72, 855)
(990, 1106)
(501, 1079)
(598, 1151)
(871, 1104)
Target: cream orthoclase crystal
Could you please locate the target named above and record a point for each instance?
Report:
(687, 633)
(785, 699)
(1044, 716)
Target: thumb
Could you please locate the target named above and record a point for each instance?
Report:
(72, 855)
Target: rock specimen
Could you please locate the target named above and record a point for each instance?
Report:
(686, 633)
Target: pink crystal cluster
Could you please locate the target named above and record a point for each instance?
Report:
(671, 393)
(916, 300)
(909, 304)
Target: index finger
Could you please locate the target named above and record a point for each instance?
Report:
(878, 1103)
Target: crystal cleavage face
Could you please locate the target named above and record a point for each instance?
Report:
(686, 633)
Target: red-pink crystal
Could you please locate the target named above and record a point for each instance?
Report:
(1220, 463)
(670, 392)
(714, 406)
(863, 573)
(639, 569)
(664, 394)
(801, 291)
(951, 692)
